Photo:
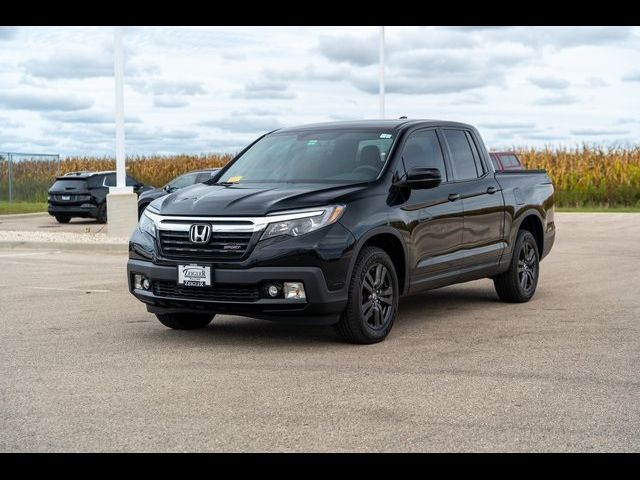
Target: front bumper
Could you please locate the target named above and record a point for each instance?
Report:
(321, 305)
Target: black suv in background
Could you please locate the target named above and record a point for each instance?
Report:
(84, 194)
(181, 181)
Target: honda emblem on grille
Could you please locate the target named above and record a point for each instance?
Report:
(200, 233)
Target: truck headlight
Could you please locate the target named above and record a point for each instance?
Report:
(302, 225)
(147, 225)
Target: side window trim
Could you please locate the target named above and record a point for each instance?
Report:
(476, 150)
(475, 154)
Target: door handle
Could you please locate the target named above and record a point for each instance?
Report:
(453, 197)
(491, 190)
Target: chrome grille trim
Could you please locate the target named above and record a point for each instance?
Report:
(227, 224)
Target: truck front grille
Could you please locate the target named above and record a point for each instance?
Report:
(221, 246)
(219, 292)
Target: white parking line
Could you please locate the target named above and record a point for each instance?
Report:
(25, 254)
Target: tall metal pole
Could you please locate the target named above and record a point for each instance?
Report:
(10, 175)
(381, 72)
(118, 69)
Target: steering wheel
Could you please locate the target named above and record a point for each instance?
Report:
(367, 168)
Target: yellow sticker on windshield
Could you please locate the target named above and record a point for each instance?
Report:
(235, 179)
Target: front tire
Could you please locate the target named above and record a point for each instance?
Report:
(185, 321)
(518, 284)
(63, 219)
(372, 306)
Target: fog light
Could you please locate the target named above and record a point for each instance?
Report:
(294, 291)
(141, 282)
(273, 291)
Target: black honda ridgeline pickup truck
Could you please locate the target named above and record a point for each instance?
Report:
(333, 223)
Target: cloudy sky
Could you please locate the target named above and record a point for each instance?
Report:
(216, 88)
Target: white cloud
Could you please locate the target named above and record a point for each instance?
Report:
(196, 89)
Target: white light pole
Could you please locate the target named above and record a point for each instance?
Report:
(122, 209)
(381, 72)
(118, 70)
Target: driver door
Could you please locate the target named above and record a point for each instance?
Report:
(435, 215)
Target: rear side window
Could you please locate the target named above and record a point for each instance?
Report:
(463, 161)
(509, 161)
(423, 150)
(110, 180)
(480, 168)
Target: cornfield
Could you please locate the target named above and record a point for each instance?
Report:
(590, 176)
(584, 176)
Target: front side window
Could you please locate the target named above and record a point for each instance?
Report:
(331, 156)
(183, 181)
(423, 150)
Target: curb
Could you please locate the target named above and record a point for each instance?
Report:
(68, 246)
(10, 216)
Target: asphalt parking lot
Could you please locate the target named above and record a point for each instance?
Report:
(83, 367)
(44, 222)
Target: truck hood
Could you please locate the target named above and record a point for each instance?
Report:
(251, 199)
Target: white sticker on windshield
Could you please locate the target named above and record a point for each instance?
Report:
(385, 135)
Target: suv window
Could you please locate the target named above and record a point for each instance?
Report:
(130, 181)
(509, 161)
(464, 165)
(423, 150)
(110, 180)
(70, 184)
(204, 176)
(184, 180)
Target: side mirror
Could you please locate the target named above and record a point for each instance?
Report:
(422, 178)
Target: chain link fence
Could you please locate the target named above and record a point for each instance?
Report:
(26, 177)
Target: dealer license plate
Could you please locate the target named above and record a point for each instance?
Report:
(194, 275)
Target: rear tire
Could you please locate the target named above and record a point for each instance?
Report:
(372, 306)
(102, 213)
(185, 321)
(63, 219)
(518, 284)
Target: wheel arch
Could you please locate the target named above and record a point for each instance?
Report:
(532, 222)
(389, 240)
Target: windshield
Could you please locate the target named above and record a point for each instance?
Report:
(334, 156)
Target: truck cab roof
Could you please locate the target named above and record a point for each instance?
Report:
(392, 124)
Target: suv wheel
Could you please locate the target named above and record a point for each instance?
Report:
(373, 299)
(102, 213)
(63, 219)
(185, 321)
(518, 284)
